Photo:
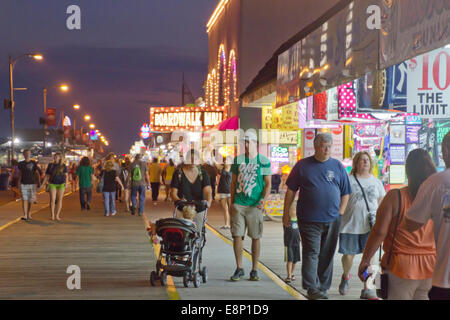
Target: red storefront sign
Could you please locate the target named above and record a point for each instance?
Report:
(51, 117)
(67, 132)
(320, 106)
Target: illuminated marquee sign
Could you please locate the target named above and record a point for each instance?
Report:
(185, 118)
(145, 131)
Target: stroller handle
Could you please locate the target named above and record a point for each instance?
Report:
(199, 205)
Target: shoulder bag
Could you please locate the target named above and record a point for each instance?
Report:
(371, 220)
(383, 291)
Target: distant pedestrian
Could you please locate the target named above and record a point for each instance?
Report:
(224, 191)
(139, 180)
(14, 178)
(409, 258)
(212, 172)
(324, 192)
(73, 176)
(85, 174)
(155, 178)
(191, 183)
(250, 187)
(56, 176)
(27, 183)
(291, 245)
(124, 177)
(276, 181)
(433, 202)
(167, 176)
(111, 179)
(359, 217)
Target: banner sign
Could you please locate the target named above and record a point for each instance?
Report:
(67, 131)
(289, 118)
(168, 119)
(266, 117)
(412, 134)
(397, 174)
(320, 106)
(397, 132)
(279, 154)
(340, 50)
(308, 150)
(287, 76)
(332, 104)
(397, 153)
(337, 151)
(51, 117)
(428, 84)
(413, 27)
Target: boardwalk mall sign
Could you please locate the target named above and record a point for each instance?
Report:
(185, 118)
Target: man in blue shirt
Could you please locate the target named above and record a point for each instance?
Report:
(324, 192)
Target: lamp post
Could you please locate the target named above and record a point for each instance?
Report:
(12, 62)
(62, 87)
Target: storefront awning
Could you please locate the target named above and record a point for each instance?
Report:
(229, 124)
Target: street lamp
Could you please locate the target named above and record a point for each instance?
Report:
(87, 117)
(92, 126)
(12, 62)
(62, 87)
(76, 106)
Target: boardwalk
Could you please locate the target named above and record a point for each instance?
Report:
(115, 258)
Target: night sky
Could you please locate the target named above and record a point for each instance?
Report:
(128, 55)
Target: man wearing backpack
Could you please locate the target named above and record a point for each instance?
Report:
(139, 181)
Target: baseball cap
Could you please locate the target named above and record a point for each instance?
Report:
(250, 136)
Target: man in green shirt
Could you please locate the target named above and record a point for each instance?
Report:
(250, 187)
(85, 175)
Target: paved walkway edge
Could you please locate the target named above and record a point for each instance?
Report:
(272, 275)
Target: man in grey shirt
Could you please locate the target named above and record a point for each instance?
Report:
(139, 181)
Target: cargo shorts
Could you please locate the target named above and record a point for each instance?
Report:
(28, 192)
(250, 218)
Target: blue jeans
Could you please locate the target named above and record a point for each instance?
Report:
(134, 192)
(109, 201)
(85, 196)
(319, 241)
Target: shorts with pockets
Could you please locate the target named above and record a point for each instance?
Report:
(28, 192)
(250, 218)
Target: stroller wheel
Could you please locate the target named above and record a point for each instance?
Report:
(196, 280)
(186, 280)
(153, 278)
(204, 274)
(163, 279)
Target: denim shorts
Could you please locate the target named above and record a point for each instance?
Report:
(352, 243)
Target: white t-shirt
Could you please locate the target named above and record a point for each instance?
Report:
(355, 219)
(433, 202)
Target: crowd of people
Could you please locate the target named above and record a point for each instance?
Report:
(411, 224)
(334, 210)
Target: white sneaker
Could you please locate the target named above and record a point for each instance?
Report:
(106, 214)
(114, 213)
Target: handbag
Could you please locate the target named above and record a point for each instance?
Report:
(371, 222)
(101, 184)
(384, 280)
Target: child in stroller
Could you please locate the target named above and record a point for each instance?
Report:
(181, 247)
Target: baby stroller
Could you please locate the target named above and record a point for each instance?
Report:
(181, 248)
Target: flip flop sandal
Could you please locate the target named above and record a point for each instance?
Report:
(293, 278)
(287, 280)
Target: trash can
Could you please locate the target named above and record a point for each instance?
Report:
(4, 178)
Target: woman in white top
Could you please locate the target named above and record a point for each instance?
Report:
(359, 217)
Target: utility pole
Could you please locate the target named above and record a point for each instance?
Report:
(11, 99)
(182, 90)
